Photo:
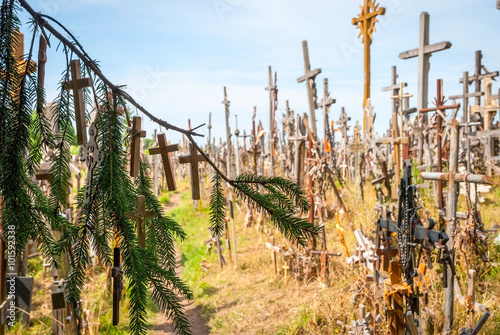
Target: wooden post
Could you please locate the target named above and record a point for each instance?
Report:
(140, 217)
(193, 158)
(76, 84)
(226, 104)
(22, 66)
(117, 274)
(325, 104)
(366, 23)
(233, 227)
(299, 140)
(135, 145)
(237, 145)
(164, 150)
(272, 89)
(42, 60)
(309, 78)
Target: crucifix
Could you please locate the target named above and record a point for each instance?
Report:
(299, 140)
(325, 104)
(454, 178)
(366, 23)
(309, 78)
(164, 150)
(193, 158)
(23, 67)
(226, 104)
(135, 146)
(77, 84)
(140, 217)
(272, 88)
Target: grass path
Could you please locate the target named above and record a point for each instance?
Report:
(161, 325)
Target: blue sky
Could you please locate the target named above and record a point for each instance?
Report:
(175, 56)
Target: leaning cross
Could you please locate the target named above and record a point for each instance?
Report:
(136, 133)
(77, 84)
(140, 217)
(193, 158)
(309, 78)
(424, 52)
(163, 149)
(366, 23)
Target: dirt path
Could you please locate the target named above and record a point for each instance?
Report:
(161, 325)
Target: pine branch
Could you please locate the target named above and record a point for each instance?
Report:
(217, 207)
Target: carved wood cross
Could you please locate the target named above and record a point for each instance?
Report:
(366, 23)
(135, 146)
(193, 158)
(22, 66)
(164, 149)
(76, 84)
(140, 217)
(309, 78)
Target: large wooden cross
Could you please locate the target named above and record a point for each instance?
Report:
(140, 217)
(366, 23)
(135, 145)
(424, 52)
(193, 158)
(22, 66)
(77, 84)
(164, 149)
(309, 78)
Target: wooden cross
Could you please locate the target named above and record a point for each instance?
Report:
(479, 76)
(394, 88)
(163, 149)
(469, 301)
(22, 66)
(366, 23)
(135, 146)
(286, 268)
(209, 149)
(325, 104)
(226, 104)
(77, 83)
(309, 78)
(424, 52)
(288, 120)
(117, 275)
(193, 158)
(399, 97)
(454, 179)
(299, 140)
(140, 217)
(272, 89)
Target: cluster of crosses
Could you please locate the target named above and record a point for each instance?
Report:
(427, 138)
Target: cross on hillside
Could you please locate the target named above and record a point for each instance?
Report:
(193, 159)
(163, 149)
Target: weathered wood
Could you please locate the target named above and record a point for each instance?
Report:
(272, 88)
(226, 104)
(117, 275)
(140, 217)
(23, 67)
(164, 150)
(135, 146)
(309, 77)
(193, 159)
(42, 60)
(77, 84)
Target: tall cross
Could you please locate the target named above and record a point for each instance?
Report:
(479, 76)
(272, 88)
(22, 66)
(424, 52)
(135, 146)
(164, 149)
(309, 78)
(193, 158)
(366, 23)
(325, 104)
(140, 217)
(226, 104)
(77, 84)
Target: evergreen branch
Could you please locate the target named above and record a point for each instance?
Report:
(217, 207)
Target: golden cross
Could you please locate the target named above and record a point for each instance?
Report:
(366, 23)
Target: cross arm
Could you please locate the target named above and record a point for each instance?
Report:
(393, 87)
(468, 95)
(427, 50)
(168, 148)
(459, 177)
(481, 77)
(309, 74)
